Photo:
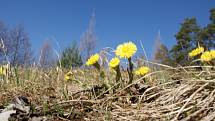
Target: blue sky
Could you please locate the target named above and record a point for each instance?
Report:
(117, 21)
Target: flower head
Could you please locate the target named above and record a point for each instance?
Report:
(93, 59)
(212, 52)
(142, 71)
(196, 51)
(114, 62)
(69, 76)
(206, 56)
(126, 50)
(3, 70)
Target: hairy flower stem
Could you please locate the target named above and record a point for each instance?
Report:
(198, 63)
(102, 75)
(130, 71)
(118, 76)
(98, 67)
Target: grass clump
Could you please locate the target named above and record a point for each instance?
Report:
(123, 92)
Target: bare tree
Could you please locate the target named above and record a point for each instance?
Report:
(47, 56)
(161, 52)
(20, 49)
(4, 37)
(88, 39)
(157, 45)
(15, 45)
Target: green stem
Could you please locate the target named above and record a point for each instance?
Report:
(118, 75)
(102, 75)
(130, 71)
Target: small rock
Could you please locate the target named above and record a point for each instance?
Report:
(4, 116)
(18, 106)
(38, 119)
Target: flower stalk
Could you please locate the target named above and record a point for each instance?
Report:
(115, 65)
(130, 71)
(127, 50)
(93, 60)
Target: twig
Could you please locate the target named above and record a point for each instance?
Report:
(209, 117)
(208, 101)
(190, 98)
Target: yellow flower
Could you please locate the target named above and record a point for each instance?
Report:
(212, 52)
(3, 70)
(66, 77)
(93, 59)
(126, 50)
(196, 51)
(114, 62)
(142, 71)
(206, 56)
(69, 76)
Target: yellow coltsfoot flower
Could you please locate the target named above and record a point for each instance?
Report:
(142, 71)
(3, 70)
(126, 50)
(212, 52)
(206, 56)
(69, 76)
(93, 59)
(196, 51)
(114, 62)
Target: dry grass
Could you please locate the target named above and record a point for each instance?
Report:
(168, 94)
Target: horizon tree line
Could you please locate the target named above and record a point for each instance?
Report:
(15, 46)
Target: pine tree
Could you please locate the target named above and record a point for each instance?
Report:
(71, 57)
(187, 39)
(208, 33)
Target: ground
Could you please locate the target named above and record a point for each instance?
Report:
(163, 94)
